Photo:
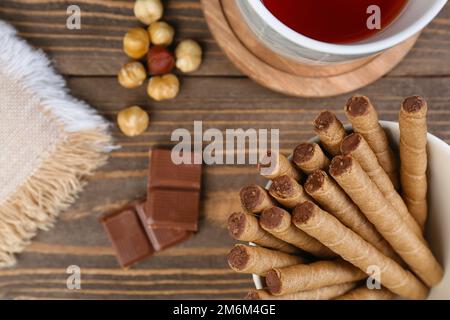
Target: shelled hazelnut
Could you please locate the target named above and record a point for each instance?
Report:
(163, 88)
(161, 33)
(188, 56)
(133, 121)
(148, 11)
(160, 60)
(136, 43)
(132, 75)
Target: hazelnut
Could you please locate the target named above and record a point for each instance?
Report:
(148, 11)
(163, 88)
(160, 60)
(161, 33)
(188, 56)
(132, 75)
(133, 121)
(136, 43)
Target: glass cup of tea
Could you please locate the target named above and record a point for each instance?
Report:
(337, 31)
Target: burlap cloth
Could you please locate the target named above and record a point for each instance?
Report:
(49, 144)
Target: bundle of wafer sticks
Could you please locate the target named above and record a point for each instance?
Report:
(357, 219)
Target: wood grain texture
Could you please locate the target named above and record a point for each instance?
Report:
(96, 49)
(219, 96)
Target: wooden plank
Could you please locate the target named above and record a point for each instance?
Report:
(226, 103)
(96, 48)
(195, 269)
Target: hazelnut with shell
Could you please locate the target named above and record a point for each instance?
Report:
(161, 33)
(133, 121)
(136, 43)
(188, 56)
(160, 60)
(148, 11)
(163, 88)
(132, 75)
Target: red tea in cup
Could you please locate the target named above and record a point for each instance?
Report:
(334, 21)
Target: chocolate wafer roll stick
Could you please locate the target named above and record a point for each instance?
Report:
(413, 155)
(278, 222)
(364, 293)
(310, 157)
(302, 277)
(245, 227)
(282, 166)
(356, 146)
(255, 199)
(364, 118)
(366, 195)
(331, 132)
(287, 191)
(351, 247)
(333, 199)
(325, 293)
(258, 260)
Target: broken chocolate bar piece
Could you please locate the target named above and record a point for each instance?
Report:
(127, 236)
(166, 174)
(161, 238)
(177, 209)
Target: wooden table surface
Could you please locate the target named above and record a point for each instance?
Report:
(219, 95)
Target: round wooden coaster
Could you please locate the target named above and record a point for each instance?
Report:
(286, 76)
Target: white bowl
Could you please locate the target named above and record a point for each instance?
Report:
(416, 15)
(438, 225)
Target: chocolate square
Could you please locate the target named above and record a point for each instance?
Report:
(165, 174)
(177, 209)
(127, 236)
(161, 238)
